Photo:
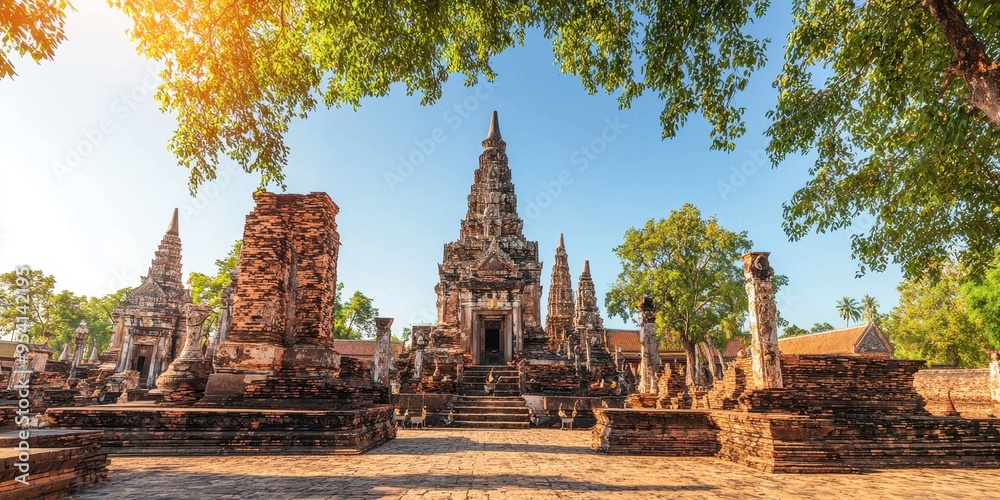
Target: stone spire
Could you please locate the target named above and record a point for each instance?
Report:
(559, 319)
(492, 203)
(65, 352)
(588, 316)
(172, 229)
(493, 138)
(165, 269)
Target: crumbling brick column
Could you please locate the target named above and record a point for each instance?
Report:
(764, 355)
(282, 309)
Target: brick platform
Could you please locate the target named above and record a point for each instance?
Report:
(836, 414)
(138, 429)
(61, 462)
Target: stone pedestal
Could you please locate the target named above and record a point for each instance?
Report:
(764, 353)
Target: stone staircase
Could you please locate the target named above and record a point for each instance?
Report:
(474, 381)
(504, 409)
(489, 412)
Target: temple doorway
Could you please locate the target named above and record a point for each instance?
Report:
(143, 356)
(493, 342)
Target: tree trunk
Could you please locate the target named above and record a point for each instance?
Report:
(706, 352)
(971, 63)
(689, 361)
(715, 355)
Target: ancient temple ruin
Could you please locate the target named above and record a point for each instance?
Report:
(489, 292)
(149, 324)
(276, 362)
(488, 341)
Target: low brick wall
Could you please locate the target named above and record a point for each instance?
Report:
(968, 390)
(151, 430)
(835, 414)
(676, 433)
(61, 462)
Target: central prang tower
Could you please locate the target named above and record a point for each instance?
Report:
(490, 293)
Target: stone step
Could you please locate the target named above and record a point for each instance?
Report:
(491, 417)
(464, 410)
(492, 425)
(490, 400)
(499, 385)
(481, 393)
(479, 404)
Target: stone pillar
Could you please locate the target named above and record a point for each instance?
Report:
(184, 380)
(649, 361)
(383, 350)
(764, 355)
(994, 379)
(226, 314)
(80, 343)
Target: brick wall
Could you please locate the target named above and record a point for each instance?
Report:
(968, 390)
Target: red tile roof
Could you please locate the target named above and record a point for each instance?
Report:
(839, 341)
(628, 341)
(734, 347)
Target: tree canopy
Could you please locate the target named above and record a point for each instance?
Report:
(793, 331)
(869, 308)
(54, 315)
(821, 327)
(900, 104)
(236, 73)
(688, 265)
(983, 301)
(890, 98)
(355, 318)
(208, 289)
(32, 28)
(848, 309)
(932, 322)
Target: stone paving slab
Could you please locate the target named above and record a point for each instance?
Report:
(491, 464)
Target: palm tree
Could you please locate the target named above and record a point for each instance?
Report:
(869, 308)
(849, 309)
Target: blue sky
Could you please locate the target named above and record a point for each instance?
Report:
(89, 184)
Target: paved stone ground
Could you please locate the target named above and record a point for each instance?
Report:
(507, 464)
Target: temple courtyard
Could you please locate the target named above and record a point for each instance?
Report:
(535, 463)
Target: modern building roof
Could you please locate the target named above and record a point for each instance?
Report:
(858, 339)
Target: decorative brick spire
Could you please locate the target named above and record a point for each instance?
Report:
(559, 319)
(165, 269)
(588, 316)
(492, 202)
